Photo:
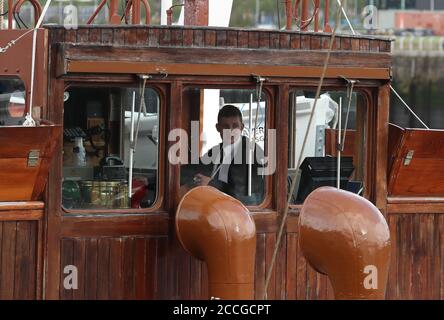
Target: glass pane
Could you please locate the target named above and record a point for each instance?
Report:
(100, 127)
(224, 161)
(12, 101)
(337, 131)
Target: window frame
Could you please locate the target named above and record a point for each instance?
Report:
(368, 177)
(270, 93)
(158, 204)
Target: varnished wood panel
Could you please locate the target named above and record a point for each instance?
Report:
(423, 175)
(291, 279)
(18, 256)
(219, 37)
(115, 267)
(211, 55)
(417, 269)
(19, 180)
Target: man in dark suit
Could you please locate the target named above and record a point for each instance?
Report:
(226, 166)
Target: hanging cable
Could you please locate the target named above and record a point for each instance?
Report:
(408, 108)
(293, 184)
(339, 151)
(13, 42)
(346, 17)
(17, 21)
(24, 24)
(142, 108)
(350, 87)
(252, 140)
(341, 139)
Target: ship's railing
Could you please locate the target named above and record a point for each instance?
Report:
(14, 11)
(301, 14)
(417, 46)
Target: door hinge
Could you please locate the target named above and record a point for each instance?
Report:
(33, 158)
(408, 157)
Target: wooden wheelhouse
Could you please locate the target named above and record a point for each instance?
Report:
(133, 253)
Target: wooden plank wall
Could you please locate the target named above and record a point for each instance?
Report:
(292, 277)
(154, 267)
(18, 256)
(416, 271)
(417, 268)
(131, 267)
(155, 36)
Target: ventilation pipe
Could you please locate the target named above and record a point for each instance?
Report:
(218, 229)
(345, 237)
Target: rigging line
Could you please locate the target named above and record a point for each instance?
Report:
(13, 42)
(349, 96)
(260, 83)
(338, 174)
(410, 109)
(346, 17)
(142, 98)
(252, 143)
(391, 87)
(293, 183)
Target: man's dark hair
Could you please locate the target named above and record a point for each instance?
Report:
(229, 111)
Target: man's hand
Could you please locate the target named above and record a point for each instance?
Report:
(201, 180)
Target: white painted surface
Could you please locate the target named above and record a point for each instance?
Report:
(164, 6)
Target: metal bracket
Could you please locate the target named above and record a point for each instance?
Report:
(320, 141)
(350, 85)
(33, 158)
(161, 72)
(408, 158)
(258, 78)
(349, 81)
(145, 76)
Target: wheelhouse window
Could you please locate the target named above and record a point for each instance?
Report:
(12, 101)
(226, 138)
(110, 148)
(333, 154)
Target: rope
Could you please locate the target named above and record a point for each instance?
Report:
(13, 42)
(293, 184)
(260, 82)
(391, 87)
(349, 96)
(252, 144)
(346, 17)
(408, 108)
(141, 108)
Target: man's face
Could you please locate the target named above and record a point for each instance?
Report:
(233, 127)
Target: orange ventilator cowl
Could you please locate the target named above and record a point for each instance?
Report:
(347, 238)
(219, 230)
